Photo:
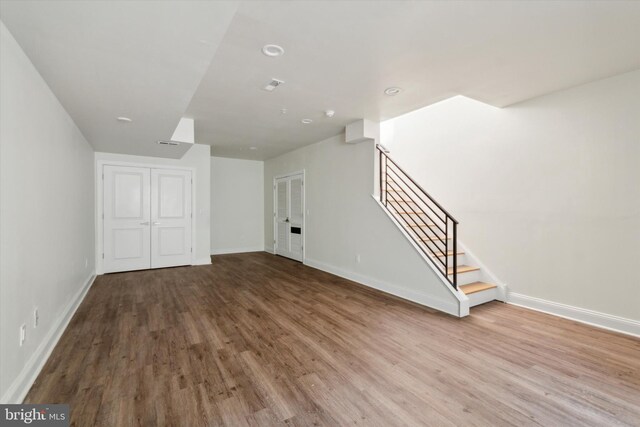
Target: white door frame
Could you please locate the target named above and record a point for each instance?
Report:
(99, 220)
(304, 210)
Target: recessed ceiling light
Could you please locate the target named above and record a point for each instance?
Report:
(124, 119)
(283, 111)
(273, 50)
(253, 148)
(392, 91)
(329, 113)
(306, 121)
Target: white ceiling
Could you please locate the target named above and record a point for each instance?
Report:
(101, 58)
(104, 59)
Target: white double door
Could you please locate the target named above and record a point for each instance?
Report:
(289, 212)
(147, 218)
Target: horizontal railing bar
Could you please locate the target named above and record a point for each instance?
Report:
(440, 245)
(422, 211)
(417, 185)
(424, 223)
(440, 239)
(418, 195)
(423, 245)
(413, 201)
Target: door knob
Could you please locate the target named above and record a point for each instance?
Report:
(144, 223)
(286, 220)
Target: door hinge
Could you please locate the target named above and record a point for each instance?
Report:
(191, 250)
(102, 255)
(103, 176)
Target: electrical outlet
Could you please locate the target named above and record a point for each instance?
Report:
(23, 334)
(36, 317)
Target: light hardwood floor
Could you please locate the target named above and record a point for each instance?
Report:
(256, 339)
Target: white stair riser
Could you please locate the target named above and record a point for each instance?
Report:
(469, 277)
(481, 297)
(461, 260)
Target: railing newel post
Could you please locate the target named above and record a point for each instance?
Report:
(455, 255)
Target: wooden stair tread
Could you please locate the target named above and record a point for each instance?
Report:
(472, 288)
(462, 269)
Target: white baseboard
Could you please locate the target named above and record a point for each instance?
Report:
(202, 261)
(237, 250)
(269, 249)
(583, 315)
(18, 390)
(408, 294)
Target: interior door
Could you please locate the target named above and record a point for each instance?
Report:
(170, 218)
(289, 203)
(126, 218)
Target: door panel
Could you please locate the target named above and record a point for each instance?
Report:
(126, 218)
(170, 218)
(296, 200)
(282, 217)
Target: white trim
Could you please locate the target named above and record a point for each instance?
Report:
(19, 388)
(270, 250)
(99, 187)
(202, 261)
(582, 315)
(237, 250)
(288, 174)
(389, 288)
(463, 300)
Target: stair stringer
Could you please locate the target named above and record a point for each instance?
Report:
(463, 300)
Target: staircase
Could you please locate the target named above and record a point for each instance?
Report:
(434, 232)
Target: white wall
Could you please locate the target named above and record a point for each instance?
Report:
(343, 221)
(547, 191)
(237, 205)
(198, 158)
(46, 218)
